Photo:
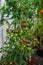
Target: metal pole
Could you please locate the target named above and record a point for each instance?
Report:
(2, 36)
(2, 40)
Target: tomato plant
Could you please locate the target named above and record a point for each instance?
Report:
(21, 32)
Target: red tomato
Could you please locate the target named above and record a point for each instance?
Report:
(33, 38)
(7, 30)
(41, 11)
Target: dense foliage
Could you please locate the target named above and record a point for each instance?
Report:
(22, 31)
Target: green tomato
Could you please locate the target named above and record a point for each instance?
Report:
(26, 28)
(24, 46)
(20, 34)
(10, 62)
(29, 48)
(21, 31)
(16, 34)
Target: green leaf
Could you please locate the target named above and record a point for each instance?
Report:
(12, 0)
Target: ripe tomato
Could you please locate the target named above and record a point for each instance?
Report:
(28, 45)
(7, 30)
(41, 11)
(16, 31)
(33, 38)
(24, 40)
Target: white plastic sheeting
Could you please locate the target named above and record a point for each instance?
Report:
(2, 28)
(2, 2)
(2, 36)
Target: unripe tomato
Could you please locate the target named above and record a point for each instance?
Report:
(20, 34)
(21, 31)
(41, 11)
(10, 62)
(29, 48)
(26, 28)
(16, 34)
